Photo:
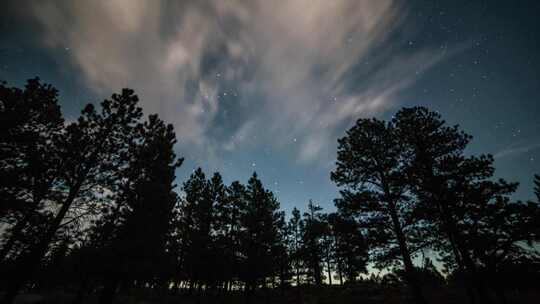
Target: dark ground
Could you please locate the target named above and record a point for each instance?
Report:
(361, 293)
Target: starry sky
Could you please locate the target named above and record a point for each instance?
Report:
(269, 86)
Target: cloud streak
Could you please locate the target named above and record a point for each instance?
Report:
(516, 149)
(293, 73)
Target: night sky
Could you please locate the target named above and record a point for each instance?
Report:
(269, 86)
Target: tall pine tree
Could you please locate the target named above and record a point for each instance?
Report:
(370, 169)
(90, 151)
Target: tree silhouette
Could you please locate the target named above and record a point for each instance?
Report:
(196, 223)
(30, 120)
(221, 247)
(139, 252)
(370, 168)
(499, 230)
(236, 198)
(259, 235)
(313, 249)
(296, 226)
(350, 247)
(282, 260)
(90, 150)
(329, 249)
(443, 179)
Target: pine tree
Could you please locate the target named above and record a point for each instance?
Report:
(259, 235)
(139, 251)
(90, 150)
(296, 227)
(220, 232)
(329, 248)
(498, 231)
(439, 175)
(282, 260)
(236, 198)
(370, 168)
(312, 242)
(197, 215)
(30, 119)
(350, 249)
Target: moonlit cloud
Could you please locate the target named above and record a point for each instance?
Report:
(228, 73)
(517, 149)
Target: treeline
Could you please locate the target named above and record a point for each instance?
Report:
(235, 237)
(91, 207)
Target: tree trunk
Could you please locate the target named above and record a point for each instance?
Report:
(410, 272)
(28, 264)
(297, 276)
(464, 260)
(329, 271)
(191, 287)
(472, 277)
(463, 272)
(340, 275)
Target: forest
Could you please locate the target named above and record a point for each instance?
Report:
(90, 212)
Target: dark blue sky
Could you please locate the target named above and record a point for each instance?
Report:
(270, 85)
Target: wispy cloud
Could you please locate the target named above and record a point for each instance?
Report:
(517, 149)
(297, 69)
